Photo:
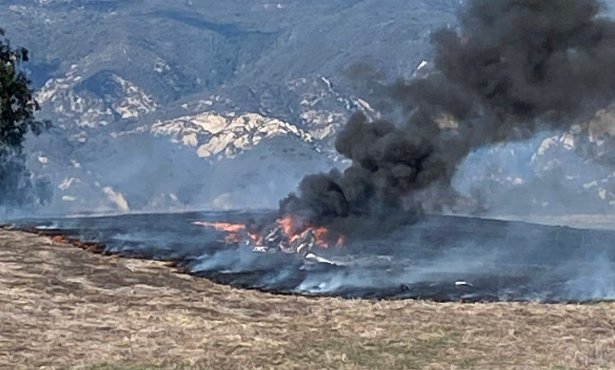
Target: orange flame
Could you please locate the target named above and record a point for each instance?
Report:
(290, 227)
(222, 226)
(232, 230)
(287, 224)
(293, 230)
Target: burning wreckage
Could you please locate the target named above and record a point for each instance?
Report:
(284, 236)
(511, 70)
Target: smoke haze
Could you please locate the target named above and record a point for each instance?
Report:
(513, 68)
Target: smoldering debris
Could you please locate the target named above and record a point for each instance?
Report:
(512, 69)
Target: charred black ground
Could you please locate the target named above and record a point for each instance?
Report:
(512, 69)
(438, 258)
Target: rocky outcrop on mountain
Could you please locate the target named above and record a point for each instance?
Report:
(219, 136)
(98, 100)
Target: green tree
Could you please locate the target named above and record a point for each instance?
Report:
(17, 119)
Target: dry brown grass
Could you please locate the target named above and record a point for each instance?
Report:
(61, 307)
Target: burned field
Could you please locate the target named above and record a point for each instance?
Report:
(439, 258)
(67, 308)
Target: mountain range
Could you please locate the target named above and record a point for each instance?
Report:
(162, 105)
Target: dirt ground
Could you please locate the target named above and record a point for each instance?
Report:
(61, 307)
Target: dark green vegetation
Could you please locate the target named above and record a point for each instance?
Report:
(17, 108)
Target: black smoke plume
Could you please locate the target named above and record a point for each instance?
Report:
(510, 70)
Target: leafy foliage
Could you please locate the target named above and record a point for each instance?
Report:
(17, 119)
